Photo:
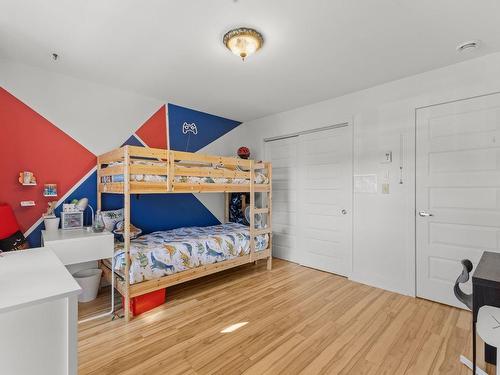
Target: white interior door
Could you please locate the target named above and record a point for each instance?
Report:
(282, 154)
(325, 200)
(458, 183)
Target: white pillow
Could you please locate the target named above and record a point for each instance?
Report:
(110, 218)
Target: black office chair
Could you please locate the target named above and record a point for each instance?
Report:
(466, 299)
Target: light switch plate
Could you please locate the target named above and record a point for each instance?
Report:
(387, 158)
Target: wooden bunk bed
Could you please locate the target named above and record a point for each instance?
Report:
(170, 171)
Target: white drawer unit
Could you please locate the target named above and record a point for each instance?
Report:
(79, 245)
(38, 315)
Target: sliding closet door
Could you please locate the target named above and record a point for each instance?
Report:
(312, 198)
(283, 155)
(325, 200)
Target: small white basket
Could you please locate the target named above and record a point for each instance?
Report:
(89, 281)
(51, 223)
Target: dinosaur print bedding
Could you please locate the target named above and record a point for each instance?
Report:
(167, 252)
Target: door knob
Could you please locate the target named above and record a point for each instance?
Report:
(425, 214)
(344, 212)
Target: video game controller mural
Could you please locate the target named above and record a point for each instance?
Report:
(192, 130)
(188, 130)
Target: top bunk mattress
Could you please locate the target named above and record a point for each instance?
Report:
(164, 253)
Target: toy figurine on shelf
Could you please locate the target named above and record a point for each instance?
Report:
(50, 209)
(27, 178)
(50, 219)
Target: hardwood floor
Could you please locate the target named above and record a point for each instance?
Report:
(298, 321)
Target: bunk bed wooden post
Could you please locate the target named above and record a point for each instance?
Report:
(98, 183)
(252, 210)
(170, 170)
(270, 214)
(226, 207)
(126, 233)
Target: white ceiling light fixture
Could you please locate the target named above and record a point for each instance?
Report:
(243, 41)
(468, 46)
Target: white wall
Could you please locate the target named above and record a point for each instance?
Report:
(99, 117)
(384, 235)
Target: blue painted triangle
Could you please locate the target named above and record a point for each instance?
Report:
(132, 141)
(202, 128)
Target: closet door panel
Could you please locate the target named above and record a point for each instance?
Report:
(325, 200)
(283, 155)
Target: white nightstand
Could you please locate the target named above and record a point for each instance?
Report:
(74, 246)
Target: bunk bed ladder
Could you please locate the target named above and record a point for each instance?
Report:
(267, 210)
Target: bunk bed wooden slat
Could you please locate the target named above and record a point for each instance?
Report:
(108, 157)
(148, 187)
(111, 171)
(146, 152)
(111, 187)
(148, 169)
(208, 187)
(204, 172)
(189, 156)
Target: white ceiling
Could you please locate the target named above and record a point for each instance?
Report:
(314, 49)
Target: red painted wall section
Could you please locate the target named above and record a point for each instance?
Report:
(154, 131)
(29, 142)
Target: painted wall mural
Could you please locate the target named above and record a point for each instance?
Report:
(30, 142)
(192, 130)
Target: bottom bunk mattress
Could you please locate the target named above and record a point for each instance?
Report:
(164, 253)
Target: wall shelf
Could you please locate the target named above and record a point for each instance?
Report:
(27, 203)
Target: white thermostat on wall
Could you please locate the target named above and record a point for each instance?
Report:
(387, 158)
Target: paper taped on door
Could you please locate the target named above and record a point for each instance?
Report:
(366, 183)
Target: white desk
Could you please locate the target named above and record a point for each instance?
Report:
(74, 246)
(79, 245)
(38, 314)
